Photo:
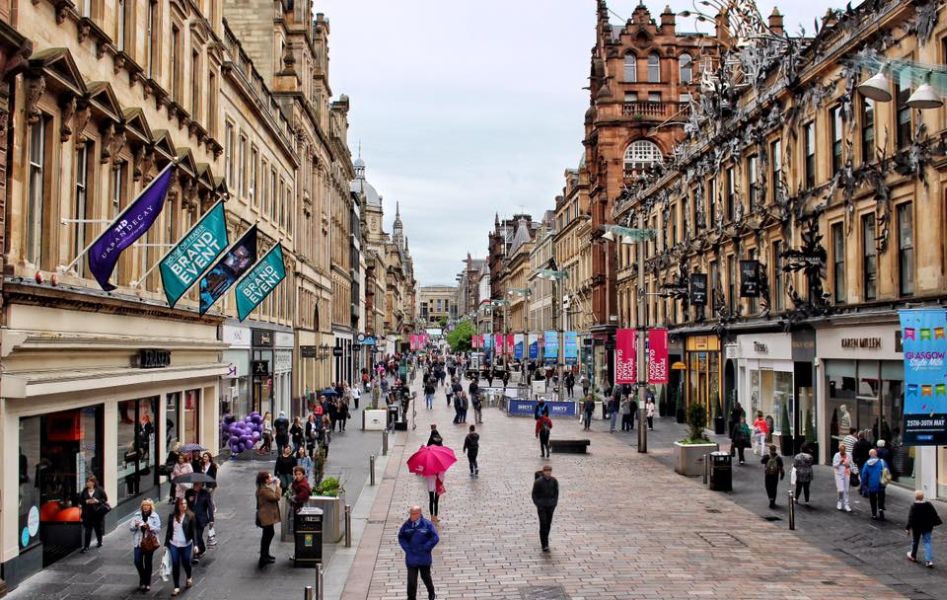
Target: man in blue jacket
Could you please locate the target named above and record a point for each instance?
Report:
(418, 538)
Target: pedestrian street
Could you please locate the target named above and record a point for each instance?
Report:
(626, 527)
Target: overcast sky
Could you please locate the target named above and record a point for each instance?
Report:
(466, 108)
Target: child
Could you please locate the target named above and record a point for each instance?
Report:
(303, 460)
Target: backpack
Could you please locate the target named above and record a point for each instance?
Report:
(772, 466)
(545, 427)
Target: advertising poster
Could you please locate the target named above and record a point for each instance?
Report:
(236, 261)
(196, 251)
(924, 341)
(571, 350)
(657, 356)
(260, 282)
(533, 346)
(518, 346)
(626, 368)
(551, 346)
(498, 343)
(510, 343)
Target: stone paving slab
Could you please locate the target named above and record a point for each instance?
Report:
(626, 527)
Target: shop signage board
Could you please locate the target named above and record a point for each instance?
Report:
(698, 289)
(307, 352)
(749, 279)
(153, 359)
(260, 367)
(924, 336)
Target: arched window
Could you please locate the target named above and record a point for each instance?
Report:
(641, 154)
(654, 68)
(686, 64)
(631, 68)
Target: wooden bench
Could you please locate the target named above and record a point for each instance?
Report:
(569, 446)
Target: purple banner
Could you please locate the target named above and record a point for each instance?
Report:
(131, 224)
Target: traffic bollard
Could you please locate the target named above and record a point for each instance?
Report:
(706, 468)
(308, 595)
(348, 525)
(319, 581)
(371, 470)
(792, 510)
(384, 443)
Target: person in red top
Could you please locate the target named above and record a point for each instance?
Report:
(760, 431)
(543, 429)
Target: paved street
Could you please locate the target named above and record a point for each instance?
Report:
(626, 527)
(228, 571)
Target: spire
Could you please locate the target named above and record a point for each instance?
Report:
(397, 230)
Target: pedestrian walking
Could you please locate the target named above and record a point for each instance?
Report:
(613, 408)
(545, 497)
(760, 432)
(842, 465)
(268, 493)
(417, 538)
(773, 473)
(541, 409)
(343, 413)
(874, 478)
(860, 451)
(740, 437)
(304, 461)
(312, 434)
(736, 413)
(284, 467)
(649, 412)
(625, 413)
(356, 396)
(922, 519)
(478, 409)
(588, 407)
(802, 467)
(543, 430)
(209, 468)
(850, 440)
(584, 382)
(429, 391)
(435, 438)
(202, 507)
(267, 434)
(281, 427)
(435, 489)
(183, 467)
(570, 383)
(93, 502)
(145, 527)
(296, 433)
(471, 449)
(179, 539)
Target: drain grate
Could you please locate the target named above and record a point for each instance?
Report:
(721, 539)
(543, 592)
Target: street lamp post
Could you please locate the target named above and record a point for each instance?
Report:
(525, 293)
(557, 276)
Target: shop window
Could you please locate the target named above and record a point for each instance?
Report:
(136, 472)
(770, 392)
(172, 419)
(192, 401)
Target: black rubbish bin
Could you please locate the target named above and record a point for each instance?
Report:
(393, 411)
(307, 533)
(721, 472)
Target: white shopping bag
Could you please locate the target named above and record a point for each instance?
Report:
(166, 565)
(212, 537)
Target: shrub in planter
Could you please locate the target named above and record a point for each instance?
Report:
(679, 413)
(696, 420)
(329, 486)
(719, 422)
(785, 432)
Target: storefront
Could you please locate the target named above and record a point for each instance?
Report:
(764, 376)
(704, 371)
(863, 387)
(283, 343)
(235, 385)
(342, 357)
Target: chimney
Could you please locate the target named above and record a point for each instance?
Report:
(776, 22)
(667, 21)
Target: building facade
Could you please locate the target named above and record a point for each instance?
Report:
(436, 305)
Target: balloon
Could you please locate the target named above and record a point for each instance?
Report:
(247, 419)
(256, 436)
(257, 419)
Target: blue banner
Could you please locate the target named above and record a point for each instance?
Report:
(196, 251)
(525, 408)
(533, 346)
(924, 343)
(488, 345)
(551, 346)
(571, 350)
(260, 282)
(518, 342)
(129, 225)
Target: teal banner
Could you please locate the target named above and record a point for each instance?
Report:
(260, 281)
(195, 253)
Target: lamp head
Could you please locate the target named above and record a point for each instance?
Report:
(925, 96)
(877, 87)
(608, 236)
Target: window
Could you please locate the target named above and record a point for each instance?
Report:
(242, 161)
(687, 68)
(196, 77)
(212, 92)
(838, 262)
(905, 249)
(273, 195)
(654, 68)
(753, 184)
(153, 41)
(730, 193)
(776, 165)
(809, 140)
(684, 99)
(175, 63)
(254, 173)
(631, 68)
(80, 202)
(641, 154)
(654, 96)
(118, 189)
(779, 303)
(34, 224)
(835, 116)
(631, 97)
(120, 23)
(673, 223)
(870, 252)
(265, 201)
(902, 91)
(731, 283)
(868, 129)
(137, 471)
(229, 155)
(85, 8)
(714, 277)
(754, 303)
(712, 200)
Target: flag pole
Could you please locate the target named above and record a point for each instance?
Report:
(69, 267)
(138, 281)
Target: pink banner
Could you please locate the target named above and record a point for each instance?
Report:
(509, 344)
(626, 370)
(657, 356)
(498, 343)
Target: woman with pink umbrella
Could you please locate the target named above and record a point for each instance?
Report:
(432, 462)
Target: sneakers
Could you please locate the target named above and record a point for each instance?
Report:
(930, 564)
(911, 558)
(176, 591)
(546, 549)
(848, 508)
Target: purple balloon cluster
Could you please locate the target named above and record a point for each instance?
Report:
(241, 434)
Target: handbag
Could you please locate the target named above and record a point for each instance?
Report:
(439, 488)
(149, 542)
(102, 509)
(853, 479)
(885, 476)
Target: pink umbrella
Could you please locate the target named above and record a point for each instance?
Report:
(431, 460)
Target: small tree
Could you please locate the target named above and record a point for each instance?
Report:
(809, 429)
(784, 429)
(696, 420)
(459, 336)
(318, 465)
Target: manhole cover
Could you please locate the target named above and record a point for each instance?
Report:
(772, 518)
(720, 539)
(543, 592)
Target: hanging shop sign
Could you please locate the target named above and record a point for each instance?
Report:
(749, 279)
(924, 336)
(571, 349)
(699, 289)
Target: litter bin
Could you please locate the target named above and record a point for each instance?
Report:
(307, 532)
(721, 472)
(393, 411)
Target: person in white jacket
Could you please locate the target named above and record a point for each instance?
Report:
(145, 521)
(842, 465)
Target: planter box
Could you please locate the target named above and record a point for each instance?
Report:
(374, 420)
(333, 516)
(689, 458)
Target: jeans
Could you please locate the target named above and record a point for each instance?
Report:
(472, 459)
(802, 486)
(587, 423)
(771, 481)
(760, 439)
(429, 400)
(543, 444)
(432, 499)
(877, 501)
(614, 420)
(651, 423)
(199, 540)
(413, 582)
(180, 556)
(144, 562)
(545, 523)
(928, 547)
(97, 525)
(265, 540)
